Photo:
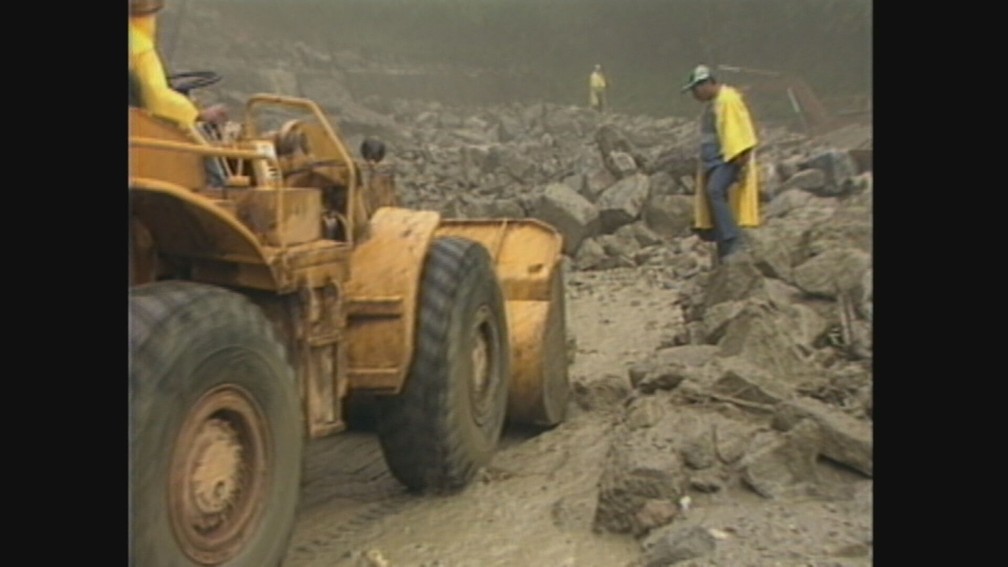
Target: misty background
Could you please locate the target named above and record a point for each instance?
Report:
(500, 51)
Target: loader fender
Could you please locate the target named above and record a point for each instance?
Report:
(184, 224)
(382, 296)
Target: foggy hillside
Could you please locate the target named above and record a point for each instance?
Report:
(491, 51)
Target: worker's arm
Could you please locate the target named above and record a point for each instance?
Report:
(158, 97)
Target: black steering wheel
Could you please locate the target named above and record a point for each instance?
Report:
(191, 80)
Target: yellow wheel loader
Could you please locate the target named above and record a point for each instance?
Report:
(271, 276)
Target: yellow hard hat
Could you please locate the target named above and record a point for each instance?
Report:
(143, 7)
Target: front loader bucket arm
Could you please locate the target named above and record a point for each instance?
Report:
(527, 256)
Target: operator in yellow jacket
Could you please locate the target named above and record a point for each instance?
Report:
(727, 146)
(148, 77)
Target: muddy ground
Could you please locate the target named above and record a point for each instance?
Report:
(534, 505)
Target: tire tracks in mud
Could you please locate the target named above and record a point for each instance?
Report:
(346, 488)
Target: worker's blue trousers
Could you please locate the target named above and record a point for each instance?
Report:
(726, 229)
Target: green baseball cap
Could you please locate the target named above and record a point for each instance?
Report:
(699, 75)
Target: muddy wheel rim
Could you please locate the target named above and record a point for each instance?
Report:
(219, 475)
(484, 362)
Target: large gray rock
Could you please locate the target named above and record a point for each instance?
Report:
(606, 393)
(732, 438)
(636, 471)
(689, 355)
(485, 208)
(842, 438)
(645, 464)
(621, 164)
(811, 180)
(773, 250)
(806, 325)
(733, 380)
(644, 411)
(837, 166)
(716, 318)
(621, 204)
(832, 271)
(671, 545)
(570, 213)
(664, 374)
(863, 295)
(669, 215)
(509, 160)
(781, 293)
(663, 184)
(783, 466)
(850, 226)
(786, 202)
(655, 513)
(622, 245)
(596, 182)
(563, 122)
(611, 139)
(763, 335)
(641, 233)
(475, 157)
(676, 162)
(576, 182)
(590, 255)
(733, 282)
(770, 182)
(509, 128)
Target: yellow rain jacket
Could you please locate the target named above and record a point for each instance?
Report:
(736, 133)
(158, 97)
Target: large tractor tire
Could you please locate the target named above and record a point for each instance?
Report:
(216, 436)
(445, 423)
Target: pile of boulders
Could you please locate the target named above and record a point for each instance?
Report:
(779, 344)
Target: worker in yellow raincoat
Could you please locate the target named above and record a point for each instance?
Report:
(727, 195)
(597, 87)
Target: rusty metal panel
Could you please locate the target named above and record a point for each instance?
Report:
(180, 168)
(231, 274)
(385, 380)
(187, 224)
(386, 265)
(259, 208)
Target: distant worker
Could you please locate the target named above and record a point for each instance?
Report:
(149, 88)
(727, 144)
(597, 87)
